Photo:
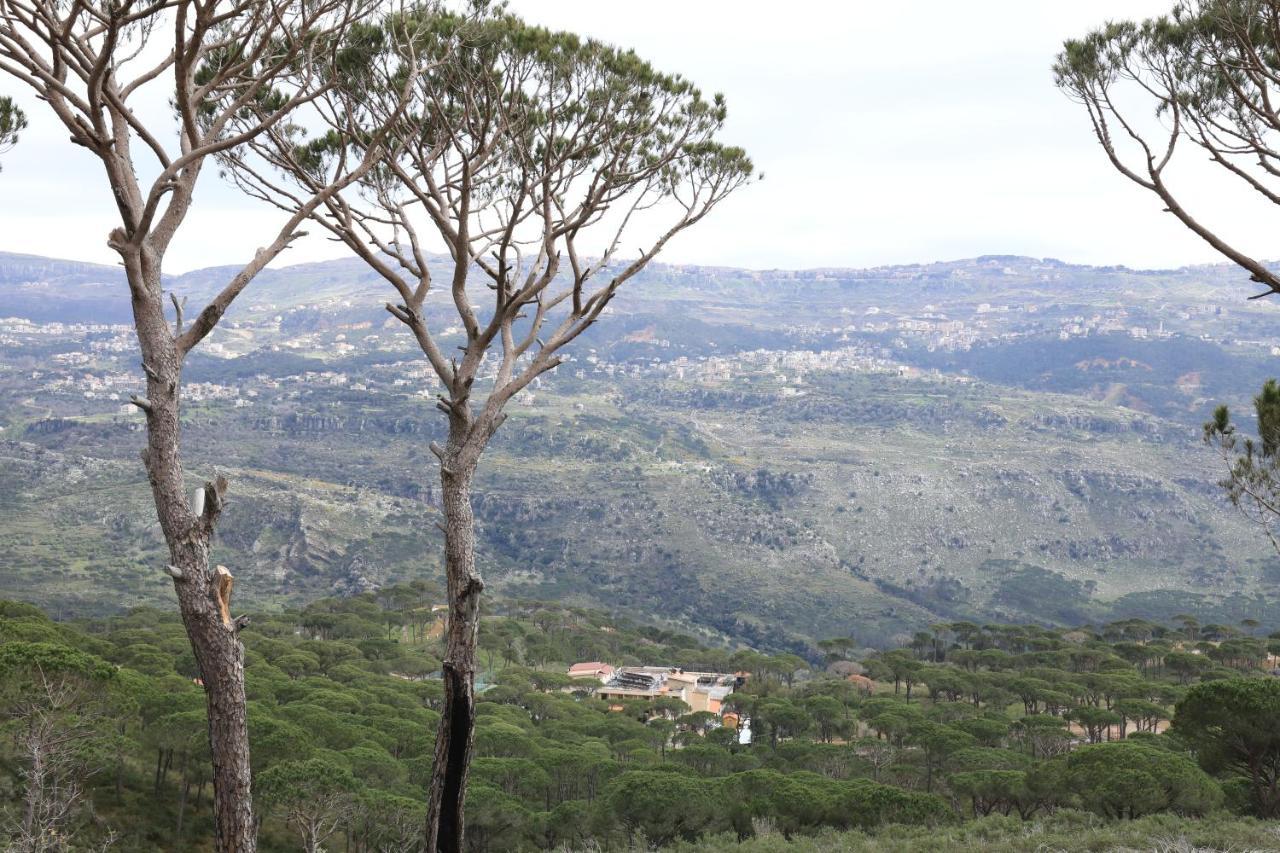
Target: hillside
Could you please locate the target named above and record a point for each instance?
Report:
(767, 456)
(972, 739)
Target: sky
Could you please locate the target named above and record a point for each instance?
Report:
(902, 132)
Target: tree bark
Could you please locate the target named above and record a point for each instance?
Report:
(202, 594)
(220, 656)
(455, 736)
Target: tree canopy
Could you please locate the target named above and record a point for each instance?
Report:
(12, 122)
(1199, 82)
(1235, 725)
(343, 748)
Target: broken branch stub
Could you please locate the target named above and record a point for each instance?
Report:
(222, 583)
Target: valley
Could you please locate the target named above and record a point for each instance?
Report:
(763, 457)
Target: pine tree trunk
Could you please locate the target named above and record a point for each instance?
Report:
(456, 734)
(184, 786)
(220, 657)
(203, 595)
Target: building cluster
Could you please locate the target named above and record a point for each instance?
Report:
(91, 368)
(786, 366)
(1109, 323)
(701, 691)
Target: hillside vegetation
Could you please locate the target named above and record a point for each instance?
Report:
(1000, 438)
(969, 738)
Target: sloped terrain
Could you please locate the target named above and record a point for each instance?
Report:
(771, 456)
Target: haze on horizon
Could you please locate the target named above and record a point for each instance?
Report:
(899, 133)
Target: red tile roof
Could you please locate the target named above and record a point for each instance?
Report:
(590, 667)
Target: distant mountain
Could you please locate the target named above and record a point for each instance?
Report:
(49, 289)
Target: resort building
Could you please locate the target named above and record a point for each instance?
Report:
(701, 691)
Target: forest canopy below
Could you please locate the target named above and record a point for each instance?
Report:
(970, 737)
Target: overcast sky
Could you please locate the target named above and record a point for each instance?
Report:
(915, 130)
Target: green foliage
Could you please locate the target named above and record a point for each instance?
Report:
(314, 796)
(19, 659)
(662, 806)
(12, 122)
(345, 743)
(290, 783)
(991, 790)
(1131, 779)
(1253, 480)
(1063, 830)
(1234, 726)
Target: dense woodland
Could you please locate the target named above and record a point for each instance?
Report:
(972, 734)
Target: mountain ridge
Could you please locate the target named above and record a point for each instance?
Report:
(9, 258)
(5, 255)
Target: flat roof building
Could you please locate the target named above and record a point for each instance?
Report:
(701, 691)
